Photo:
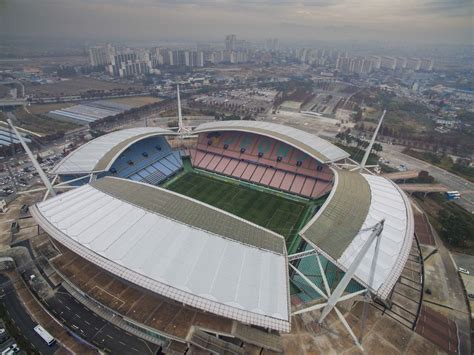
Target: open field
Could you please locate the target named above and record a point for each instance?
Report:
(453, 224)
(137, 101)
(44, 108)
(74, 86)
(268, 210)
(40, 124)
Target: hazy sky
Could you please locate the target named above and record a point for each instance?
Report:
(403, 21)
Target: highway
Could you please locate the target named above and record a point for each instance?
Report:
(451, 181)
(21, 319)
(85, 324)
(94, 329)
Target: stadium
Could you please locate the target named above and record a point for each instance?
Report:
(219, 241)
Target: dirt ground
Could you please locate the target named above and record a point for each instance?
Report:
(43, 108)
(137, 101)
(74, 86)
(382, 335)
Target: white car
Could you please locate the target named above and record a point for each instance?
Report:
(12, 349)
(464, 271)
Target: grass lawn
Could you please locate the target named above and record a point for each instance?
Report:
(432, 205)
(277, 213)
(39, 124)
(357, 154)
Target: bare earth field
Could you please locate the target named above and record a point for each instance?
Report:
(74, 86)
(137, 101)
(44, 108)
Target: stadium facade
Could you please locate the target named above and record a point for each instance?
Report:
(122, 220)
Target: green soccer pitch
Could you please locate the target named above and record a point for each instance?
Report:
(270, 210)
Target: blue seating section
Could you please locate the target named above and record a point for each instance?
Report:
(153, 161)
(142, 154)
(160, 170)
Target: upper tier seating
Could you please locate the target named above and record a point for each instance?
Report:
(262, 160)
(150, 160)
(261, 150)
(160, 170)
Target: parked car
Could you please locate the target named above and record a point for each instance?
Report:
(464, 271)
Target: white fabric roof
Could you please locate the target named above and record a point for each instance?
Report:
(85, 158)
(319, 148)
(390, 203)
(187, 264)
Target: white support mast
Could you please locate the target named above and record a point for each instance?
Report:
(372, 141)
(181, 129)
(40, 171)
(331, 299)
(336, 295)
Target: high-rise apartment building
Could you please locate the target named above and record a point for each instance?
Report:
(401, 63)
(388, 63)
(98, 56)
(230, 42)
(413, 63)
(272, 44)
(129, 64)
(426, 64)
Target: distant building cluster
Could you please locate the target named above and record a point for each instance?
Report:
(129, 62)
(365, 65)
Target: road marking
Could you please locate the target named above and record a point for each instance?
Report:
(74, 326)
(121, 342)
(67, 308)
(87, 322)
(108, 336)
(136, 350)
(77, 315)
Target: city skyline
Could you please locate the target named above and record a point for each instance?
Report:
(410, 22)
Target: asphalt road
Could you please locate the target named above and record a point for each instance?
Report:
(457, 301)
(86, 324)
(451, 181)
(22, 320)
(465, 261)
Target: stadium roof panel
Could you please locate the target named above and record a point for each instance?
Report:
(99, 154)
(191, 212)
(342, 225)
(342, 216)
(311, 144)
(193, 254)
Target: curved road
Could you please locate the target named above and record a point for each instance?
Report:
(451, 181)
(21, 319)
